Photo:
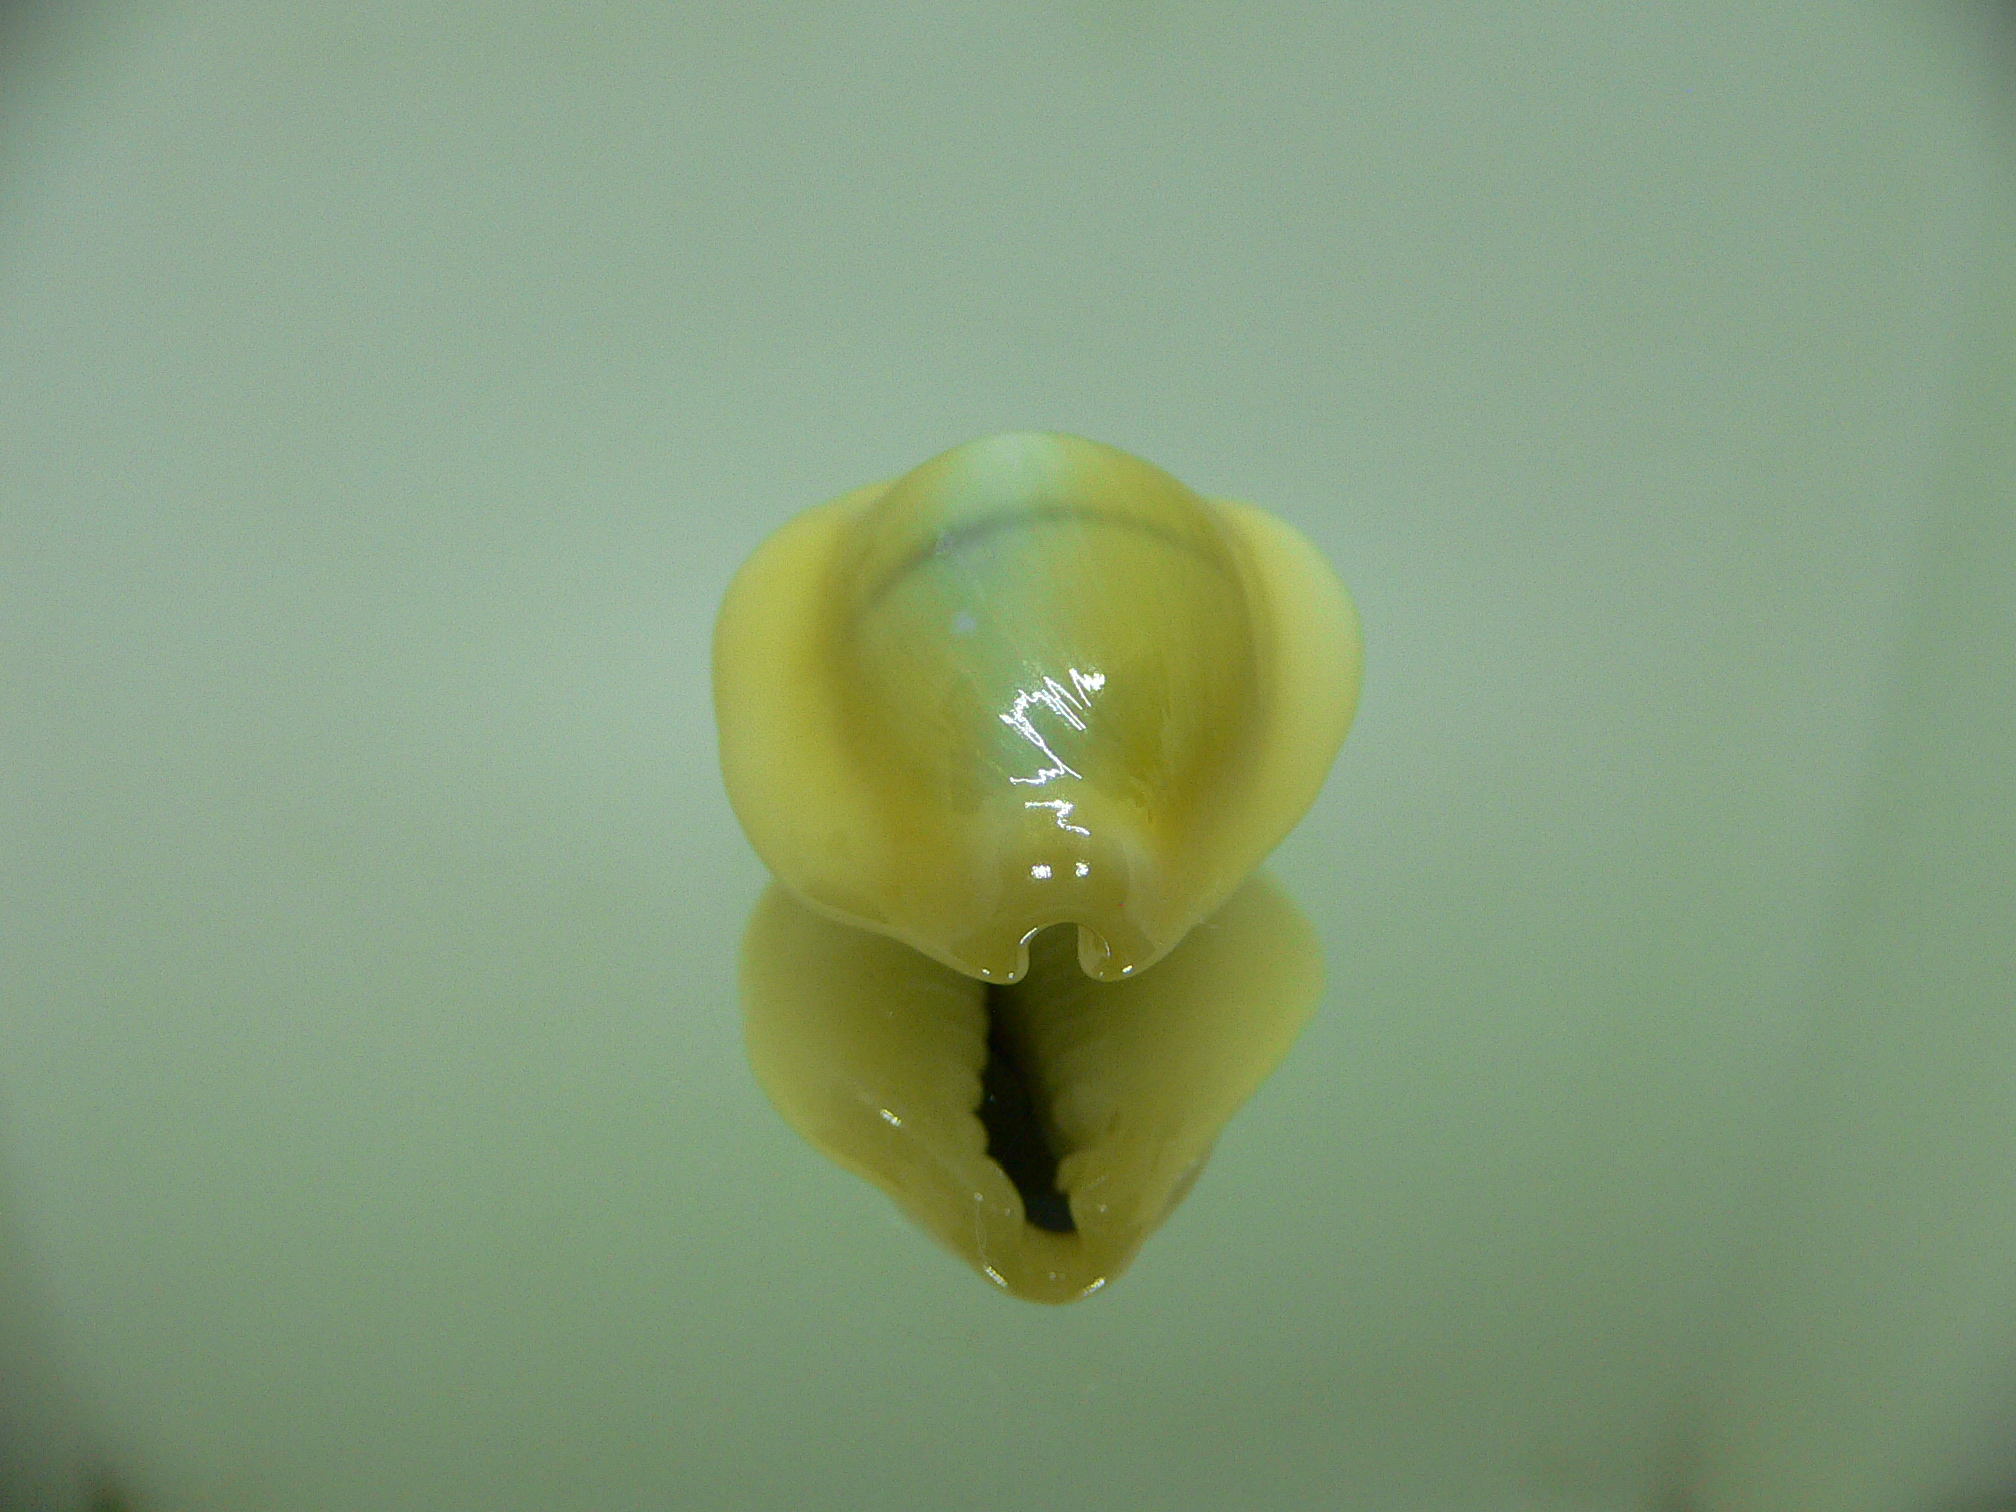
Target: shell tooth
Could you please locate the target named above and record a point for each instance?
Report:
(1033, 681)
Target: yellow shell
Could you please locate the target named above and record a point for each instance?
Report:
(1033, 681)
(886, 1062)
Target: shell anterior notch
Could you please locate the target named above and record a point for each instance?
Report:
(1034, 681)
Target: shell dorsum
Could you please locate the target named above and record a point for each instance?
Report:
(1033, 681)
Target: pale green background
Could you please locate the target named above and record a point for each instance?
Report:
(387, 392)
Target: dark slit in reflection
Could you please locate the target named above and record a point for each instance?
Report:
(881, 1058)
(1016, 1140)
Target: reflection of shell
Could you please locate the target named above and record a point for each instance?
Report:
(1035, 681)
(878, 1057)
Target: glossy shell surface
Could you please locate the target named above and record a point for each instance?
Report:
(878, 1055)
(1033, 681)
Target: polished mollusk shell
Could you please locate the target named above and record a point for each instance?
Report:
(878, 1057)
(1034, 681)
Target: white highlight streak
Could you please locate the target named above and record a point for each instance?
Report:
(1064, 703)
(1062, 807)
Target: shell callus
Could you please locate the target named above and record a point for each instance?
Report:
(1035, 681)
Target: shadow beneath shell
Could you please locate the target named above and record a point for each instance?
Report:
(1040, 1131)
